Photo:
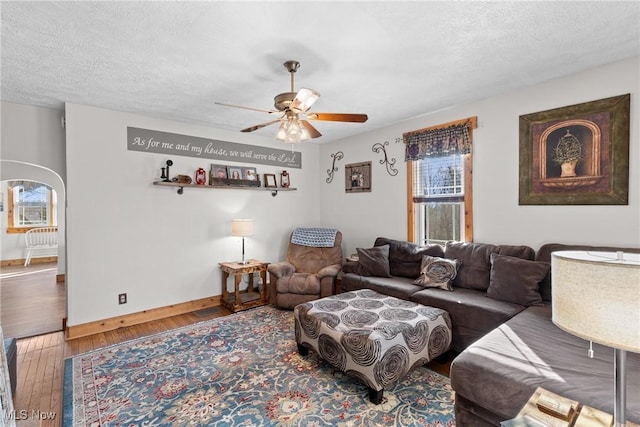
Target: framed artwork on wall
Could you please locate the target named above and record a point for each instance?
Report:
(357, 177)
(576, 155)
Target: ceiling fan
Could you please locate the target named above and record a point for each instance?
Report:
(293, 110)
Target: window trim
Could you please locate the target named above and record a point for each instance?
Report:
(14, 229)
(468, 185)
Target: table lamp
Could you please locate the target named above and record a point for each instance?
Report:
(242, 228)
(596, 296)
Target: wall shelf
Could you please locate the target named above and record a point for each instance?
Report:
(181, 187)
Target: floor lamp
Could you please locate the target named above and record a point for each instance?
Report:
(242, 228)
(596, 296)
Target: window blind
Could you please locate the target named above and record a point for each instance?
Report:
(439, 179)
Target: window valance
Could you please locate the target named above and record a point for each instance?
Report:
(439, 141)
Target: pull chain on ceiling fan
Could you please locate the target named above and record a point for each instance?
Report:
(291, 105)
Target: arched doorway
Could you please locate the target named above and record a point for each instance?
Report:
(33, 291)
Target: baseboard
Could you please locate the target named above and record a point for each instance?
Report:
(91, 328)
(40, 260)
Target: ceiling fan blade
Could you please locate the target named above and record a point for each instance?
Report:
(304, 100)
(260, 126)
(338, 117)
(247, 108)
(313, 132)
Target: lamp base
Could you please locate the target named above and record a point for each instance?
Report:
(620, 384)
(244, 261)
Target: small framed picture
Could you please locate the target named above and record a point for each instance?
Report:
(218, 171)
(357, 177)
(234, 172)
(270, 180)
(249, 174)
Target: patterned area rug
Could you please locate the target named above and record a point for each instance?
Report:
(238, 370)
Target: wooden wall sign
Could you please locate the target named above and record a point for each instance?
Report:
(153, 141)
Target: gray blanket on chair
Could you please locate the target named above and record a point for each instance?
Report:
(314, 237)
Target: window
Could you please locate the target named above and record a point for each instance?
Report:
(30, 204)
(439, 185)
(439, 197)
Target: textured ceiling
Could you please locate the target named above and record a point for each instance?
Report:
(391, 60)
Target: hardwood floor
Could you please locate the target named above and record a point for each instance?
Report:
(38, 396)
(31, 302)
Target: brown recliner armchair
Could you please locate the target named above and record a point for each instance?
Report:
(308, 273)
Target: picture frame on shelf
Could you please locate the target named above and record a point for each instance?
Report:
(270, 180)
(576, 155)
(357, 177)
(249, 173)
(234, 172)
(218, 171)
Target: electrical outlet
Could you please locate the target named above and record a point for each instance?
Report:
(122, 298)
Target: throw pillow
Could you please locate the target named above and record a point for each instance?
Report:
(374, 261)
(437, 272)
(516, 280)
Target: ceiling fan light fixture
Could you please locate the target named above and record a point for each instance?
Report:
(289, 105)
(292, 132)
(304, 100)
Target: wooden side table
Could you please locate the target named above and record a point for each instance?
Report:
(251, 297)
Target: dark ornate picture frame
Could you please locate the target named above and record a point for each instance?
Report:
(357, 177)
(576, 155)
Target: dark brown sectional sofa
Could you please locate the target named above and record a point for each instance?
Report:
(506, 350)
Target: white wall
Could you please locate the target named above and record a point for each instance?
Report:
(161, 248)
(497, 216)
(32, 146)
(33, 135)
(126, 235)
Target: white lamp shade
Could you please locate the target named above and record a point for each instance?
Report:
(596, 296)
(242, 227)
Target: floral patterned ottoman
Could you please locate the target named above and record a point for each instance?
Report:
(373, 337)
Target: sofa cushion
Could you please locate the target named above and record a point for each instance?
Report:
(436, 272)
(472, 313)
(299, 283)
(405, 257)
(516, 280)
(399, 287)
(501, 370)
(308, 259)
(373, 261)
(474, 273)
